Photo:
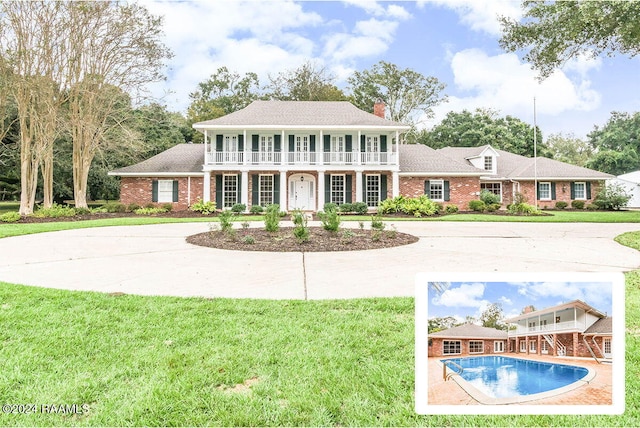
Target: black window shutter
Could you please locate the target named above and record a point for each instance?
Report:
(553, 190)
(292, 145)
(240, 142)
(427, 188)
(538, 191)
(348, 184)
(363, 145)
(383, 187)
(348, 143)
(175, 190)
(446, 191)
(573, 190)
(239, 189)
(219, 191)
(218, 142)
(327, 188)
(364, 187)
(383, 143)
(276, 188)
(327, 143)
(254, 189)
(277, 142)
(588, 184)
(154, 191)
(312, 143)
(255, 143)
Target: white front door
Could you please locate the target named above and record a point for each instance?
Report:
(301, 192)
(607, 347)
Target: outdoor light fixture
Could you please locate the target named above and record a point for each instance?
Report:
(564, 188)
(302, 178)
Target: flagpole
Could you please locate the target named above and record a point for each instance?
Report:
(535, 156)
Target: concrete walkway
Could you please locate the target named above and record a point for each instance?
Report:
(156, 260)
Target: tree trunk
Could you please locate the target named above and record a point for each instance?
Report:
(82, 158)
(47, 178)
(28, 179)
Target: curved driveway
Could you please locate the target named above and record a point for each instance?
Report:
(156, 260)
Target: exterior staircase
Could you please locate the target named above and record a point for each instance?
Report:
(561, 351)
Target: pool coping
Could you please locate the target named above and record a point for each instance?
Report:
(482, 398)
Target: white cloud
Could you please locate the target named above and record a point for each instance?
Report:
(582, 64)
(505, 300)
(467, 295)
(482, 15)
(503, 83)
(376, 9)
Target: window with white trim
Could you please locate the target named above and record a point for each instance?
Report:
(544, 347)
(498, 346)
(338, 148)
(265, 193)
(230, 143)
(544, 191)
(451, 347)
(488, 163)
(495, 188)
(532, 346)
(436, 190)
(229, 190)
(606, 345)
(372, 195)
(523, 346)
(580, 190)
(372, 148)
(165, 190)
(301, 148)
(338, 193)
(266, 148)
(476, 346)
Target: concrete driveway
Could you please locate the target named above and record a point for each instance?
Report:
(156, 260)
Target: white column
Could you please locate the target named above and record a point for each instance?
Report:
(206, 161)
(395, 190)
(359, 186)
(358, 148)
(397, 162)
(320, 154)
(247, 152)
(206, 187)
(244, 191)
(321, 200)
(284, 148)
(284, 191)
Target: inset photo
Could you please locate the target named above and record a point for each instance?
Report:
(520, 343)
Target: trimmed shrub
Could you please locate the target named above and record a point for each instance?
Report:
(238, 208)
(592, 207)
(612, 197)
(523, 209)
(55, 211)
(560, 205)
(477, 205)
(272, 218)
(202, 207)
(10, 217)
(417, 207)
(391, 205)
(330, 206)
(579, 205)
(117, 207)
(451, 209)
(256, 209)
(150, 211)
(346, 207)
(360, 208)
(489, 198)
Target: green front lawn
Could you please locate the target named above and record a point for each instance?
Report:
(171, 361)
(9, 206)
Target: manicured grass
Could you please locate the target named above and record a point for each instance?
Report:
(170, 361)
(9, 206)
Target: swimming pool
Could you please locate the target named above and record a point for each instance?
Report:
(506, 377)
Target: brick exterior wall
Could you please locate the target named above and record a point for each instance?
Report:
(138, 190)
(563, 193)
(436, 346)
(462, 189)
(572, 341)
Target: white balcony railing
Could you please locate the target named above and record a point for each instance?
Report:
(302, 158)
(553, 327)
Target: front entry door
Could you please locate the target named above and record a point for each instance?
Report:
(301, 194)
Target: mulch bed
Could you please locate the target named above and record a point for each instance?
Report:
(319, 240)
(98, 216)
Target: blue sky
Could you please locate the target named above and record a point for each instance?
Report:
(472, 298)
(455, 41)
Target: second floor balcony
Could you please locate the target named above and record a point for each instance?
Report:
(300, 158)
(565, 326)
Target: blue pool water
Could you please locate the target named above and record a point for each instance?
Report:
(502, 377)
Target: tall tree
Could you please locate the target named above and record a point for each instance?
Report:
(492, 317)
(481, 127)
(309, 82)
(569, 149)
(222, 93)
(407, 94)
(617, 144)
(112, 48)
(554, 32)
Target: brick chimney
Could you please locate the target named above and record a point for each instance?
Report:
(527, 309)
(378, 108)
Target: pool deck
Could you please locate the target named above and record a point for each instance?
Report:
(599, 391)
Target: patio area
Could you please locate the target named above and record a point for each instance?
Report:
(598, 391)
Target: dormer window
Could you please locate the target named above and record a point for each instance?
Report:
(488, 163)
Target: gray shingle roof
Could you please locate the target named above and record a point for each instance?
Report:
(182, 158)
(419, 158)
(300, 114)
(470, 331)
(602, 326)
(516, 167)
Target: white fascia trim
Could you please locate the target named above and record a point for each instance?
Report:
(156, 174)
(559, 178)
(303, 127)
(439, 174)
